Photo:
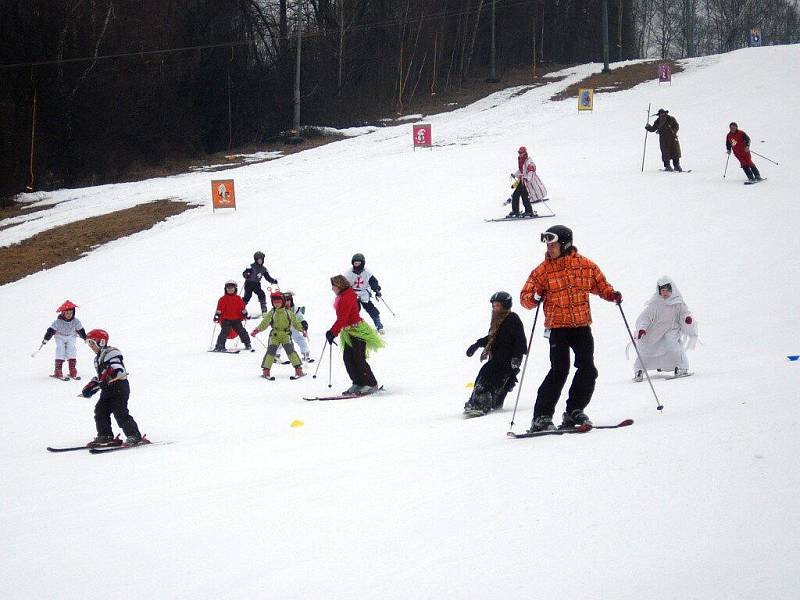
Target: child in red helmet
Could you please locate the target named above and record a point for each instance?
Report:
(65, 328)
(229, 314)
(112, 381)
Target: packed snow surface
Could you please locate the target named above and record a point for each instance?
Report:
(396, 496)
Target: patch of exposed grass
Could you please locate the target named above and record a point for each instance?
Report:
(621, 78)
(70, 242)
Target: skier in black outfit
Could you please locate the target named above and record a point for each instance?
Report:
(252, 284)
(112, 381)
(504, 346)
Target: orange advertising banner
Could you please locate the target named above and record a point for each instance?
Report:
(222, 194)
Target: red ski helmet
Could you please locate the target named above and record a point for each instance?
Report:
(277, 295)
(522, 151)
(98, 336)
(67, 305)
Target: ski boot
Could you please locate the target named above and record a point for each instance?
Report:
(307, 357)
(265, 373)
(353, 389)
(677, 164)
(104, 441)
(529, 214)
(512, 215)
(639, 377)
(135, 440)
(58, 372)
(298, 372)
(577, 418)
(543, 423)
(667, 167)
(73, 371)
(681, 372)
(367, 389)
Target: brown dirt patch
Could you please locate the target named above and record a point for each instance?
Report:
(621, 78)
(68, 243)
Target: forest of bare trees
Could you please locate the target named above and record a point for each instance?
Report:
(91, 89)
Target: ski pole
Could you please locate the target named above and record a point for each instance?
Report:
(319, 361)
(659, 406)
(726, 165)
(644, 152)
(330, 365)
(525, 366)
(386, 305)
(35, 352)
(213, 331)
(764, 157)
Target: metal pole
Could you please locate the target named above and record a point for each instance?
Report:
(659, 406)
(765, 158)
(605, 36)
(644, 152)
(492, 55)
(726, 165)
(525, 366)
(296, 126)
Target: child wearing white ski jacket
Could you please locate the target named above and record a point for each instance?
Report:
(665, 329)
(65, 329)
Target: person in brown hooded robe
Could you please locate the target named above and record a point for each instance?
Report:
(667, 128)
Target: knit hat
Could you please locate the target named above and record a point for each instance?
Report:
(340, 281)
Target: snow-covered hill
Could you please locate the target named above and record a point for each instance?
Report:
(396, 496)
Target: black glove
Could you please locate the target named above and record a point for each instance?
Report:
(617, 297)
(331, 337)
(471, 350)
(516, 362)
(90, 388)
(216, 318)
(378, 294)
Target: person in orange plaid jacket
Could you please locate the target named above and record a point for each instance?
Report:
(563, 282)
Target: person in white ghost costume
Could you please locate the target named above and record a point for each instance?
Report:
(666, 329)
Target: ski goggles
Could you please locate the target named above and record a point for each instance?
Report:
(548, 237)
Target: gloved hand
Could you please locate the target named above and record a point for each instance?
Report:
(642, 333)
(516, 363)
(255, 332)
(331, 337)
(472, 349)
(537, 298)
(216, 318)
(688, 320)
(90, 388)
(244, 315)
(44, 342)
(729, 151)
(616, 297)
(378, 294)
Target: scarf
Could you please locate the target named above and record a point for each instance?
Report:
(494, 327)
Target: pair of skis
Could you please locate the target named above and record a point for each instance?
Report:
(65, 377)
(106, 449)
(342, 396)
(581, 429)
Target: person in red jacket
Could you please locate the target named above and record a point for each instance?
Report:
(230, 314)
(738, 141)
(357, 336)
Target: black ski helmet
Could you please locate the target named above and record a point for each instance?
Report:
(258, 255)
(358, 256)
(503, 297)
(560, 234)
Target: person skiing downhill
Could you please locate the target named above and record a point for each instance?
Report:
(112, 381)
(364, 283)
(229, 314)
(65, 329)
(504, 347)
(300, 338)
(529, 186)
(563, 282)
(665, 326)
(252, 284)
(667, 128)
(282, 320)
(738, 141)
(357, 337)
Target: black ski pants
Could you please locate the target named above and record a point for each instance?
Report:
(254, 287)
(373, 312)
(225, 328)
(114, 401)
(355, 361)
(562, 340)
(520, 192)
